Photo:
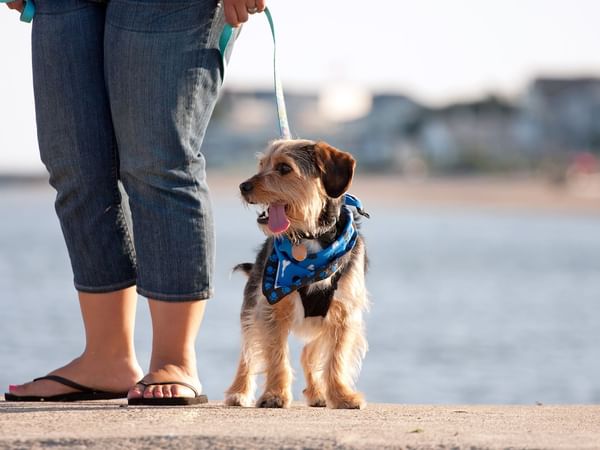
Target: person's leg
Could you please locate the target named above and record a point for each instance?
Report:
(108, 362)
(163, 75)
(175, 327)
(77, 145)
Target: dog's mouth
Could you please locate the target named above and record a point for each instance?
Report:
(275, 218)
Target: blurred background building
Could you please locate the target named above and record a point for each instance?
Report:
(550, 130)
(547, 128)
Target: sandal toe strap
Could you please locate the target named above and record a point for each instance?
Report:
(66, 382)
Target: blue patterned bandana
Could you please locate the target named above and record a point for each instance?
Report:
(284, 275)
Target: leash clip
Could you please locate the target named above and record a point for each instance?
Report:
(363, 213)
(353, 201)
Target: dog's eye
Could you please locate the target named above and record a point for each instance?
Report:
(283, 168)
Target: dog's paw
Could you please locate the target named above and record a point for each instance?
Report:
(352, 400)
(270, 400)
(314, 399)
(317, 402)
(237, 399)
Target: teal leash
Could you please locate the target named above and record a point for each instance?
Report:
(28, 10)
(226, 35)
(284, 127)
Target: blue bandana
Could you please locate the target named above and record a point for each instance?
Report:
(284, 275)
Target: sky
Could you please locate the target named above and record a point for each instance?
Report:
(436, 51)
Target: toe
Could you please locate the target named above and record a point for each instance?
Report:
(157, 392)
(136, 392)
(148, 392)
(178, 391)
(181, 391)
(153, 391)
(34, 388)
(166, 391)
(16, 389)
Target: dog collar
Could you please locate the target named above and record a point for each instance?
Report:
(283, 274)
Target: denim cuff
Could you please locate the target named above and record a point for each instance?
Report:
(200, 295)
(105, 289)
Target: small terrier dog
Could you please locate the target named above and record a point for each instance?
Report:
(308, 279)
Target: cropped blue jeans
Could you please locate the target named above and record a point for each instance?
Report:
(124, 90)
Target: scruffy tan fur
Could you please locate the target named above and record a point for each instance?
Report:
(335, 345)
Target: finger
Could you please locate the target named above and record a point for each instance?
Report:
(261, 5)
(231, 15)
(251, 6)
(242, 12)
(18, 5)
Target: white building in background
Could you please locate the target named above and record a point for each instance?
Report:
(552, 119)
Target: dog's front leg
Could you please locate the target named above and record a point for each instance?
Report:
(310, 364)
(346, 346)
(274, 330)
(241, 391)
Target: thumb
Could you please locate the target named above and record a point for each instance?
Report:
(17, 4)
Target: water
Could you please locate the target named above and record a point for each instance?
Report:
(467, 306)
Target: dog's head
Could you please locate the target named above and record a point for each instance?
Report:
(299, 183)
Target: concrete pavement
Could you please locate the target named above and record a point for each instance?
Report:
(111, 424)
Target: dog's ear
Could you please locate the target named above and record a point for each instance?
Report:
(337, 168)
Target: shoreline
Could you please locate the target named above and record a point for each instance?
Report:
(478, 192)
(112, 424)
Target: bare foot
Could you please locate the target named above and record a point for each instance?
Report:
(167, 372)
(114, 375)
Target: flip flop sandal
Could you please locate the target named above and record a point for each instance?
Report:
(169, 401)
(85, 393)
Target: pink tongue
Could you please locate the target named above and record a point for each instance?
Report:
(278, 222)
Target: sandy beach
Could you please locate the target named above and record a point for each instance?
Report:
(113, 425)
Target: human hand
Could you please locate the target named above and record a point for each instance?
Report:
(236, 11)
(19, 5)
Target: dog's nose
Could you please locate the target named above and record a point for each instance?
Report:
(246, 187)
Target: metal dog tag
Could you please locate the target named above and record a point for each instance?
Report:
(299, 252)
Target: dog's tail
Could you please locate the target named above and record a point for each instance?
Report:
(243, 267)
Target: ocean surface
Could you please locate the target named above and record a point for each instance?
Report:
(468, 306)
